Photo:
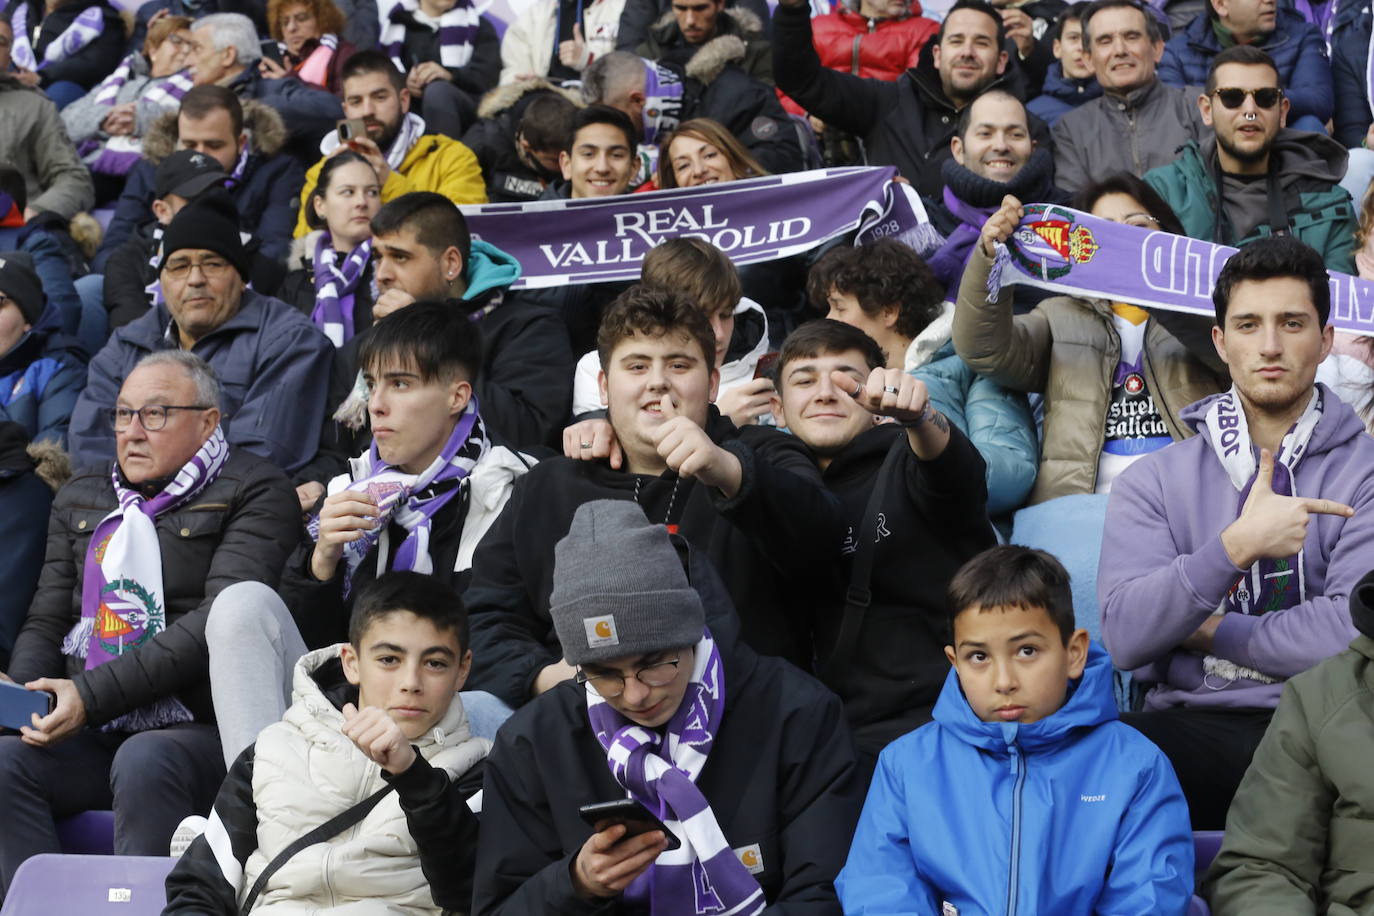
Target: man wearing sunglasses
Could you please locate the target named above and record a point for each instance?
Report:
(273, 363)
(1253, 176)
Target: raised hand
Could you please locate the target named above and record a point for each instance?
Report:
(1001, 224)
(592, 440)
(686, 448)
(379, 737)
(1271, 526)
(745, 403)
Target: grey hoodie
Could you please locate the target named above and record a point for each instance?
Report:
(1305, 162)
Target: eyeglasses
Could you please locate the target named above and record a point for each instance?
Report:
(212, 268)
(1267, 97)
(151, 418)
(610, 686)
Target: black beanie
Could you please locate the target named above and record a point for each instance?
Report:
(20, 282)
(208, 223)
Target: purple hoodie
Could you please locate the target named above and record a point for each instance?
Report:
(1164, 571)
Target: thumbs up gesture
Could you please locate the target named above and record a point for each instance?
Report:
(888, 393)
(1271, 526)
(686, 448)
(573, 53)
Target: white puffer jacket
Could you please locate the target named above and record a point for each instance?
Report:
(306, 772)
(528, 44)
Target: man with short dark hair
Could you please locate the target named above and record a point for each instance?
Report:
(692, 27)
(523, 128)
(1229, 558)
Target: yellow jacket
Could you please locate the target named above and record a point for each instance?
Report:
(435, 163)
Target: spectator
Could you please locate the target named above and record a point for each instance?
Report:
(108, 123)
(1027, 22)
(1081, 812)
(1254, 177)
(1349, 73)
(24, 527)
(247, 139)
(309, 46)
(1122, 372)
(1138, 123)
(384, 704)
(657, 97)
(1297, 48)
(272, 362)
(336, 271)
(557, 39)
(149, 10)
(413, 160)
(116, 629)
(35, 142)
(48, 246)
(748, 498)
(692, 27)
(41, 370)
(640, 15)
(1070, 81)
(1212, 595)
(64, 48)
(522, 129)
(909, 123)
(912, 487)
(745, 759)
(449, 53)
(1293, 822)
(887, 291)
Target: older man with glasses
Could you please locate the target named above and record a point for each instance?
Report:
(273, 363)
(137, 550)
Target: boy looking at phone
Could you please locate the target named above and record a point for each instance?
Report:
(745, 760)
(1026, 794)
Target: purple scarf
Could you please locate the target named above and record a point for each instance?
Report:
(457, 32)
(947, 263)
(85, 28)
(117, 155)
(334, 288)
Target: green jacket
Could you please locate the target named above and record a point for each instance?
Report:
(1310, 167)
(1300, 833)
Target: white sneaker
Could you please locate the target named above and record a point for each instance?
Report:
(186, 831)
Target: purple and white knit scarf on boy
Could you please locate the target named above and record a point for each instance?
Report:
(123, 603)
(457, 32)
(703, 876)
(85, 28)
(335, 284)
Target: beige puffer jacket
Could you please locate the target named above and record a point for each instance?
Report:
(305, 772)
(1067, 350)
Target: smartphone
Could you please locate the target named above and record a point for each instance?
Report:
(18, 705)
(764, 368)
(636, 818)
(352, 129)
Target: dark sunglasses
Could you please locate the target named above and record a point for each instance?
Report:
(1234, 98)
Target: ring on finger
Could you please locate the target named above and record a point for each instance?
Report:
(890, 389)
(584, 445)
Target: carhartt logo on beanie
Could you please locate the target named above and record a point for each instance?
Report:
(619, 588)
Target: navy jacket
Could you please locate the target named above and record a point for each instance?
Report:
(40, 378)
(1349, 62)
(1060, 95)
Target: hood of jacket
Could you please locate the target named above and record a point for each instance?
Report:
(266, 133)
(489, 268)
(504, 98)
(1073, 91)
(1299, 156)
(1089, 703)
(933, 340)
(714, 56)
(1337, 426)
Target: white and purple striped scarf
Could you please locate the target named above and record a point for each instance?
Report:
(412, 128)
(85, 28)
(457, 32)
(334, 288)
(123, 603)
(704, 875)
(117, 155)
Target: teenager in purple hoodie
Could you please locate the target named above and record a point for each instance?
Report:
(1228, 558)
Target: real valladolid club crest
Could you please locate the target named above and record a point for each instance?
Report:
(128, 615)
(1053, 244)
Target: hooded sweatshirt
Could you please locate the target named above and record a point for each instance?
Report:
(1164, 570)
(1074, 815)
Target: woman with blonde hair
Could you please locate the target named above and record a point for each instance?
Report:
(702, 151)
(309, 44)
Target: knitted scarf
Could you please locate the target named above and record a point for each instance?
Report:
(411, 500)
(123, 604)
(85, 28)
(457, 32)
(313, 68)
(117, 155)
(704, 875)
(334, 286)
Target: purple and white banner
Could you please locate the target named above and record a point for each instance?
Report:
(605, 239)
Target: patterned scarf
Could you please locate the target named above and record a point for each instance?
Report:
(85, 28)
(123, 605)
(457, 32)
(314, 67)
(704, 875)
(411, 500)
(117, 155)
(334, 286)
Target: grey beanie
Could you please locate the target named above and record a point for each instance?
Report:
(619, 589)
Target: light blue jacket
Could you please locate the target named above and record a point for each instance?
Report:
(1074, 815)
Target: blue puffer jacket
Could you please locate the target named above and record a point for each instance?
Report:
(1349, 66)
(1298, 50)
(1061, 95)
(1074, 815)
(41, 377)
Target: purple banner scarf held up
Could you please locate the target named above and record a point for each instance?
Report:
(704, 875)
(558, 242)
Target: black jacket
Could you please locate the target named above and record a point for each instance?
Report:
(640, 15)
(781, 774)
(772, 544)
(241, 527)
(483, 68)
(23, 525)
(92, 63)
(933, 519)
(907, 123)
(509, 179)
(717, 87)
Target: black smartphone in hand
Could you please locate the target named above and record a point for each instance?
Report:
(17, 705)
(636, 818)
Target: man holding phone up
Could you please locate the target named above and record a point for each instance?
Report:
(744, 759)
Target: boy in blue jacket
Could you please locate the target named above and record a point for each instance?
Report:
(1025, 795)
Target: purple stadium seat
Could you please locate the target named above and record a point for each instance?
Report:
(54, 885)
(90, 833)
(1206, 845)
(1198, 907)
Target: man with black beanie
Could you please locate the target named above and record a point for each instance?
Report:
(272, 362)
(41, 370)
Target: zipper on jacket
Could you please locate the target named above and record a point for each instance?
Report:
(1018, 766)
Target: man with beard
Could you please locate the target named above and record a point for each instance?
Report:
(405, 157)
(1255, 177)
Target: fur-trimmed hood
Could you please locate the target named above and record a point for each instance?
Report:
(736, 27)
(714, 56)
(736, 21)
(503, 98)
(266, 133)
